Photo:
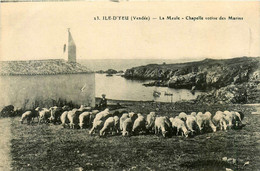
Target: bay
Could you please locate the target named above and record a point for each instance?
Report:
(119, 88)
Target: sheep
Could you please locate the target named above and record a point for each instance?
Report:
(44, 115)
(92, 116)
(239, 118)
(162, 124)
(73, 118)
(233, 119)
(219, 121)
(179, 126)
(183, 116)
(204, 120)
(193, 114)
(133, 115)
(150, 119)
(64, 119)
(84, 119)
(122, 119)
(199, 113)
(102, 114)
(128, 124)
(99, 121)
(98, 125)
(230, 118)
(139, 124)
(127, 127)
(35, 113)
(109, 124)
(116, 124)
(84, 108)
(30, 115)
(26, 115)
(55, 114)
(192, 125)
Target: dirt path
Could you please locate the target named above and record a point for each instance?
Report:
(5, 138)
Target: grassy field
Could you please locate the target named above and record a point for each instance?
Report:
(51, 147)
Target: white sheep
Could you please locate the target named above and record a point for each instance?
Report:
(26, 115)
(44, 115)
(64, 119)
(122, 119)
(219, 121)
(191, 124)
(233, 119)
(204, 120)
(179, 126)
(99, 121)
(108, 125)
(84, 119)
(183, 116)
(127, 127)
(193, 114)
(116, 124)
(73, 118)
(139, 124)
(162, 125)
(150, 119)
(30, 115)
(128, 124)
(111, 124)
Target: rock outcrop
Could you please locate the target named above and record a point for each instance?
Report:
(109, 71)
(204, 75)
(234, 80)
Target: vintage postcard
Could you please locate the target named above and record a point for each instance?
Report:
(130, 85)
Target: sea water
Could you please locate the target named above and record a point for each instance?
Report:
(117, 87)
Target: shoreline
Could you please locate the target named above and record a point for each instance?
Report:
(127, 101)
(116, 101)
(178, 102)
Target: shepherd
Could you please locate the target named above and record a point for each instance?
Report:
(103, 102)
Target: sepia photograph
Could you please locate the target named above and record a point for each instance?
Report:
(130, 85)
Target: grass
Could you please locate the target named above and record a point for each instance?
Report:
(51, 147)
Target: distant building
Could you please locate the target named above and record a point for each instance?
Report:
(45, 83)
(47, 66)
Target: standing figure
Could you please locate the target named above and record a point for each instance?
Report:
(103, 102)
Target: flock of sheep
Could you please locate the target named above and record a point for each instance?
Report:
(116, 122)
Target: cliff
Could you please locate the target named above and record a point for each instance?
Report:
(234, 80)
(41, 67)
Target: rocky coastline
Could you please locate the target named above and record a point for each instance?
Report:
(235, 80)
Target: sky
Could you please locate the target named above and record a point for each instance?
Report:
(38, 30)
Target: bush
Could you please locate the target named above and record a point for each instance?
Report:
(8, 111)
